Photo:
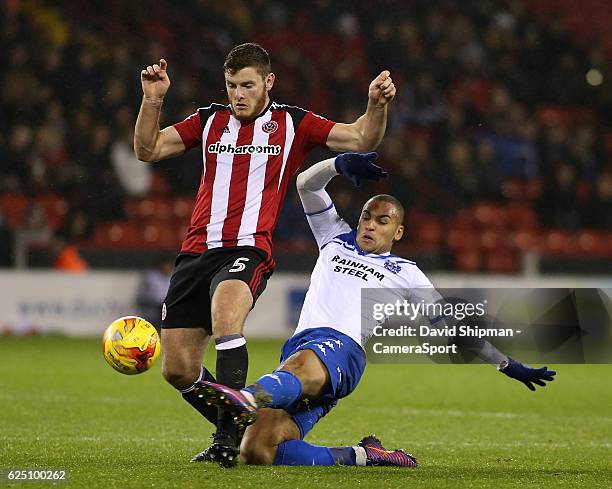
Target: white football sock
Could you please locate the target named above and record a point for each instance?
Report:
(360, 455)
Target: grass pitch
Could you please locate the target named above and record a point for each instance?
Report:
(469, 426)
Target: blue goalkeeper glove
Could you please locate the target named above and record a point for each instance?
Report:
(526, 374)
(356, 166)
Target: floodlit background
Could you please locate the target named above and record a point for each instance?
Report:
(499, 141)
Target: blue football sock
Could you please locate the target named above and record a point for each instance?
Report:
(344, 455)
(277, 390)
(299, 452)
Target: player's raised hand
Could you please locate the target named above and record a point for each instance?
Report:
(382, 89)
(528, 375)
(155, 81)
(356, 166)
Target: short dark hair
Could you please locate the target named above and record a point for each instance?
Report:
(245, 55)
(393, 201)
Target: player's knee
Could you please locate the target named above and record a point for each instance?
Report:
(254, 452)
(180, 377)
(260, 441)
(309, 369)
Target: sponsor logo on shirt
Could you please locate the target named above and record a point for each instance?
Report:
(266, 149)
(356, 269)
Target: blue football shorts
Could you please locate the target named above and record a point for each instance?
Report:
(345, 361)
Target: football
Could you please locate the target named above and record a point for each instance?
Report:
(131, 345)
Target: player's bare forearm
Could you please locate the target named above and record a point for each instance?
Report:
(366, 133)
(146, 132)
(151, 144)
(372, 126)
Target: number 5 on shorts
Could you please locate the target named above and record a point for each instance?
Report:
(238, 265)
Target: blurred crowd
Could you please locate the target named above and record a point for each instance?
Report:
(487, 97)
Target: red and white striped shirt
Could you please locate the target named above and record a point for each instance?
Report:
(247, 168)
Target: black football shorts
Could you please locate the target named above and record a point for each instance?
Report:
(196, 276)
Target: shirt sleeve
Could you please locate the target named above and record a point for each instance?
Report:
(326, 224)
(316, 130)
(418, 280)
(318, 206)
(423, 291)
(190, 130)
(420, 288)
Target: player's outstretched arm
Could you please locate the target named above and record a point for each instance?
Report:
(526, 374)
(513, 369)
(318, 206)
(423, 291)
(366, 133)
(311, 183)
(151, 144)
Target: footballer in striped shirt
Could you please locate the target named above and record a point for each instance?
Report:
(251, 148)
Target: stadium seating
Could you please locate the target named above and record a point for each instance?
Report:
(477, 229)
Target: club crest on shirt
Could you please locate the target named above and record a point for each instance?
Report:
(392, 267)
(269, 127)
